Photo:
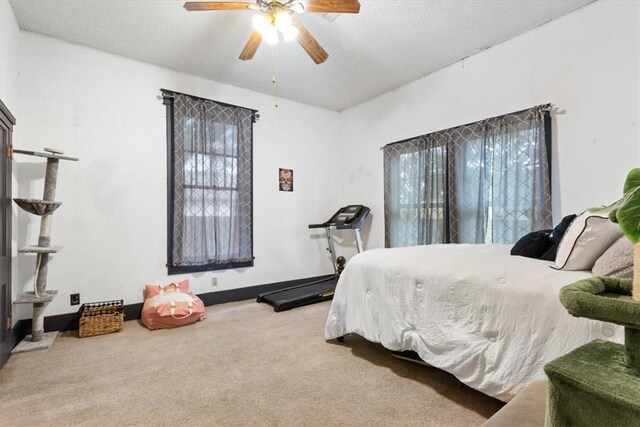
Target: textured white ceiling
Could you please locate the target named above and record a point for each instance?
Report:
(391, 42)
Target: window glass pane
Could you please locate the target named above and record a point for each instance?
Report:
(218, 138)
(231, 171)
(197, 169)
(194, 202)
(230, 137)
(218, 171)
(188, 128)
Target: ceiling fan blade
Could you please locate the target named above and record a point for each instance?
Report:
(217, 5)
(331, 6)
(308, 43)
(252, 46)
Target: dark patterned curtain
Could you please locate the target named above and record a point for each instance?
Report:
(485, 182)
(211, 184)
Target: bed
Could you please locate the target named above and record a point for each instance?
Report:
(491, 319)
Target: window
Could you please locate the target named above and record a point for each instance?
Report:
(485, 182)
(210, 192)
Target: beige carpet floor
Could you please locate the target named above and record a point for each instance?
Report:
(243, 365)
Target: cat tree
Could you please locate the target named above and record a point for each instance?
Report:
(598, 384)
(44, 208)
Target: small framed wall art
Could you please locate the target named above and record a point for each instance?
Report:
(285, 179)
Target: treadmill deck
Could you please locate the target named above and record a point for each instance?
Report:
(299, 296)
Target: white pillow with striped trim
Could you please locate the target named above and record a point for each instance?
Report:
(588, 237)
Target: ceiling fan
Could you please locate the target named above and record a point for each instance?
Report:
(278, 17)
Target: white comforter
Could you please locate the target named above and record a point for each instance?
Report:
(491, 319)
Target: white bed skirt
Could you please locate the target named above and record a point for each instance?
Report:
(491, 319)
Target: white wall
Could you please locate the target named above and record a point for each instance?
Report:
(586, 63)
(105, 110)
(9, 50)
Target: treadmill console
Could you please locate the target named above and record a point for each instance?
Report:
(348, 217)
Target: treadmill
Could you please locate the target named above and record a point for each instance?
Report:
(350, 217)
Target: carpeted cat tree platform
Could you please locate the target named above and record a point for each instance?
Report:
(598, 384)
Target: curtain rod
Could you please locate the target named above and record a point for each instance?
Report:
(543, 107)
(166, 93)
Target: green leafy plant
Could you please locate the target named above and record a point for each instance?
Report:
(626, 211)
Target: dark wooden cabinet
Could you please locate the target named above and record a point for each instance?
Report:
(7, 121)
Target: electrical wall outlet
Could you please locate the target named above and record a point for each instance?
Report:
(214, 281)
(74, 299)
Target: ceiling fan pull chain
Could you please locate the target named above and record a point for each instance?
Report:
(275, 85)
(274, 79)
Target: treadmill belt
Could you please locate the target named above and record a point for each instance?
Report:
(299, 296)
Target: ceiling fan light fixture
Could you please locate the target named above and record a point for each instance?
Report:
(297, 7)
(261, 22)
(270, 34)
(283, 21)
(290, 33)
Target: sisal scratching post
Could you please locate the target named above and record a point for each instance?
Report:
(37, 322)
(44, 241)
(40, 296)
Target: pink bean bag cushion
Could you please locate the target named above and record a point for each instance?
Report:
(171, 306)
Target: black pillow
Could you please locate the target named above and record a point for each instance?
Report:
(560, 229)
(551, 253)
(533, 245)
(556, 238)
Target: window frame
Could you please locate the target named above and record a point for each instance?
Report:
(172, 269)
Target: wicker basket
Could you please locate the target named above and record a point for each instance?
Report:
(98, 318)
